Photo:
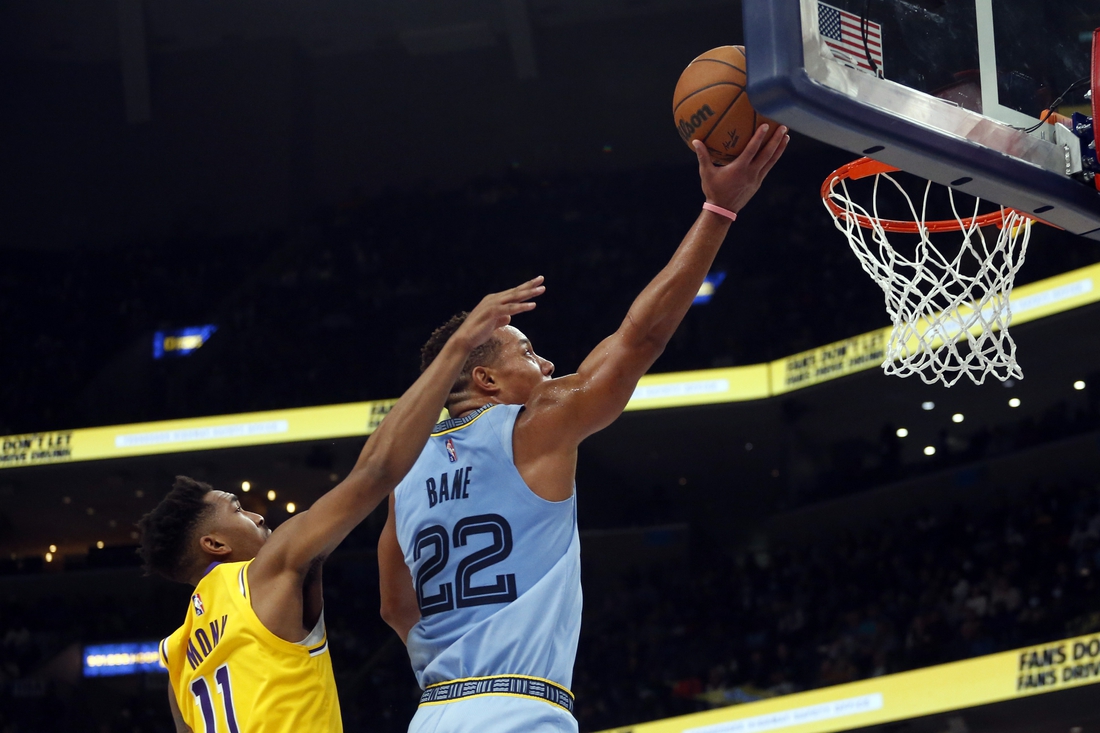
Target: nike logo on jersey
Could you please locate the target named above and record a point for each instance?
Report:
(458, 489)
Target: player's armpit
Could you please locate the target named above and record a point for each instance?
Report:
(399, 605)
(177, 717)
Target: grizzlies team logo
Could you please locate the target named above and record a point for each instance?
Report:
(196, 602)
(451, 451)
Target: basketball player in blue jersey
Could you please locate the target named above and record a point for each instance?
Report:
(251, 655)
(480, 558)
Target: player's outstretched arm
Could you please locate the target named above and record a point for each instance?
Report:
(569, 409)
(391, 450)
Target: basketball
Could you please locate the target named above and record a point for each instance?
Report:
(710, 103)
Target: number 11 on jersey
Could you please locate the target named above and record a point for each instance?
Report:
(201, 690)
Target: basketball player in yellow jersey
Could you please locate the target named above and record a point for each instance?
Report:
(252, 655)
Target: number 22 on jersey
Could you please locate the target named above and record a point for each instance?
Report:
(463, 593)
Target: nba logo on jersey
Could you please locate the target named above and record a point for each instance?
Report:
(451, 450)
(197, 603)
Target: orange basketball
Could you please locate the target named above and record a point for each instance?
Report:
(710, 103)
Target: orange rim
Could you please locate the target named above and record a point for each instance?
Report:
(866, 167)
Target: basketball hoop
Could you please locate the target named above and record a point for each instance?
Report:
(950, 310)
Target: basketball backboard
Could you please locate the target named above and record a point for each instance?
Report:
(944, 89)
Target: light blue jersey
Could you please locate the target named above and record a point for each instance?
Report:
(496, 568)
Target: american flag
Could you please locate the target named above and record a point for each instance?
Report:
(841, 32)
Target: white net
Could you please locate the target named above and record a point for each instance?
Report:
(950, 309)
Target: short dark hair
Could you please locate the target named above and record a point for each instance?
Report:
(168, 530)
(480, 356)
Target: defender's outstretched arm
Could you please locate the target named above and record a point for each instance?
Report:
(391, 451)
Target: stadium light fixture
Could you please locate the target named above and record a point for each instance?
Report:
(902, 432)
(1079, 385)
(957, 417)
(929, 450)
(1014, 402)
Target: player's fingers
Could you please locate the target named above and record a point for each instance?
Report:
(523, 295)
(528, 289)
(754, 144)
(768, 149)
(532, 283)
(775, 156)
(503, 314)
(702, 154)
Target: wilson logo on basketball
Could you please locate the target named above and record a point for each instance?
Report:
(690, 125)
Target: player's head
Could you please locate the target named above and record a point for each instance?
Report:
(503, 370)
(195, 525)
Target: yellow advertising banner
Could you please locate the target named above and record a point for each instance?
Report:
(829, 362)
(655, 391)
(702, 387)
(1029, 303)
(995, 678)
(196, 434)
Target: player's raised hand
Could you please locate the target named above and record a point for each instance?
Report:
(732, 185)
(496, 310)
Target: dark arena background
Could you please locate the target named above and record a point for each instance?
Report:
(228, 227)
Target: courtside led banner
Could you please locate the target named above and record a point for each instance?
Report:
(195, 434)
(995, 678)
(110, 660)
(656, 391)
(182, 341)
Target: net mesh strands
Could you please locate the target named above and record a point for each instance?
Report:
(950, 309)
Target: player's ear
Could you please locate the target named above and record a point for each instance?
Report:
(483, 380)
(212, 545)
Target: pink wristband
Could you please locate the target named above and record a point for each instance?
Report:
(720, 211)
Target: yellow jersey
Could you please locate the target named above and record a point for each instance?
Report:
(230, 674)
